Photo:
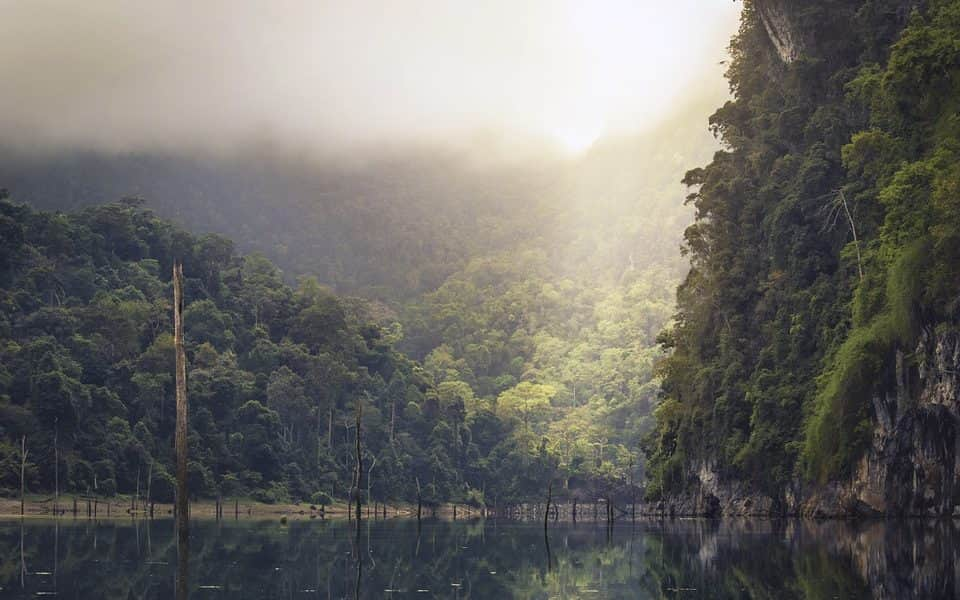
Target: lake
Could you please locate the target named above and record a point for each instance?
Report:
(481, 559)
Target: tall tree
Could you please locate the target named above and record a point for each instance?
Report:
(182, 509)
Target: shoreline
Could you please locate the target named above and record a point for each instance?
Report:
(122, 507)
(119, 507)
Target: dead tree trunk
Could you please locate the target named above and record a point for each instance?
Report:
(136, 498)
(419, 501)
(373, 465)
(148, 501)
(330, 427)
(358, 470)
(393, 418)
(546, 513)
(319, 439)
(23, 471)
(182, 507)
(56, 466)
(853, 230)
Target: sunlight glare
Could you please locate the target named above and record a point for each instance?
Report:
(576, 138)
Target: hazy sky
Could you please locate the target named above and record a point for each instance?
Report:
(120, 75)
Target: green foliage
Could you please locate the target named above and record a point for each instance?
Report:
(835, 436)
(273, 375)
(780, 342)
(554, 273)
(530, 378)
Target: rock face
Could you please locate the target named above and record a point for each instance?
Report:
(791, 40)
(912, 467)
(781, 28)
(713, 497)
(913, 463)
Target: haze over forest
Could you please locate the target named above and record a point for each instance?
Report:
(697, 254)
(496, 189)
(336, 77)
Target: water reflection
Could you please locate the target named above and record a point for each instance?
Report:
(182, 577)
(397, 559)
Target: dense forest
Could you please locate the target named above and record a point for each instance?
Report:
(505, 323)
(88, 363)
(498, 325)
(813, 343)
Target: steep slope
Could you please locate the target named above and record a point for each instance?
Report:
(815, 341)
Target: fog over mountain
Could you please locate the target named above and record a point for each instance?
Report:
(464, 217)
(328, 76)
(614, 261)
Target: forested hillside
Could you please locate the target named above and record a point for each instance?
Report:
(276, 375)
(814, 356)
(531, 292)
(275, 372)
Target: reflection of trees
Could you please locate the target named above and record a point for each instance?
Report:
(476, 560)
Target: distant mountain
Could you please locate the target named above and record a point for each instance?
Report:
(531, 290)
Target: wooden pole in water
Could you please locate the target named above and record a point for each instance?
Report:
(182, 507)
(149, 499)
(419, 501)
(56, 465)
(23, 470)
(359, 466)
(546, 513)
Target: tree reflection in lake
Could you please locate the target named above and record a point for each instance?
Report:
(312, 559)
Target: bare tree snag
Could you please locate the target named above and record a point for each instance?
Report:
(56, 466)
(23, 470)
(853, 229)
(419, 501)
(546, 512)
(182, 508)
(135, 504)
(833, 209)
(393, 418)
(330, 427)
(148, 501)
(373, 465)
(358, 469)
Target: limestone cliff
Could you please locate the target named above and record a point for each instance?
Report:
(782, 30)
(912, 467)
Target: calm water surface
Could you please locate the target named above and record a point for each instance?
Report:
(393, 559)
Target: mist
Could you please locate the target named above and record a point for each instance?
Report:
(325, 77)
